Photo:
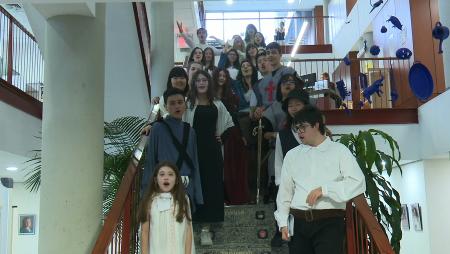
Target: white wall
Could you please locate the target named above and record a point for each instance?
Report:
(184, 12)
(437, 179)
(27, 203)
(125, 86)
(358, 20)
(411, 186)
(405, 134)
(17, 135)
(434, 121)
(4, 215)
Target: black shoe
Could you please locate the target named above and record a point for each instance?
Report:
(276, 241)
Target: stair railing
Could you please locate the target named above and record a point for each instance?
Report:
(364, 233)
(120, 230)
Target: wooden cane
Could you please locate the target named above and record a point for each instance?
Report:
(258, 172)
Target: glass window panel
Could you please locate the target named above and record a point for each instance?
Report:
(268, 27)
(240, 15)
(215, 28)
(214, 15)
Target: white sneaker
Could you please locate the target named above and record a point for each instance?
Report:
(205, 237)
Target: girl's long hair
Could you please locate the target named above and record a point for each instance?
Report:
(247, 36)
(178, 195)
(193, 93)
(177, 72)
(247, 49)
(240, 77)
(212, 65)
(236, 63)
(191, 57)
(263, 42)
(299, 84)
(226, 95)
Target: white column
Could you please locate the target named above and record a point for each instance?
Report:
(72, 126)
(162, 51)
(444, 16)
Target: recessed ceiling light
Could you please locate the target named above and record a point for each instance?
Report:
(11, 168)
(291, 1)
(229, 1)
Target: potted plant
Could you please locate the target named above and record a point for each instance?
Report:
(383, 199)
(121, 137)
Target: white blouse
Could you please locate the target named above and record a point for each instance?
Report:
(166, 235)
(329, 165)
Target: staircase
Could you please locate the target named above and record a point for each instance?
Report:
(238, 234)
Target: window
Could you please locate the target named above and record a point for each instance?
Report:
(224, 25)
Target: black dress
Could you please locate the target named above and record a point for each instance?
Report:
(211, 165)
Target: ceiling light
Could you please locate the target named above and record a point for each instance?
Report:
(11, 168)
(299, 39)
(230, 2)
(291, 1)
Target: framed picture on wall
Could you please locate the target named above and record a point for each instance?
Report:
(405, 217)
(27, 224)
(417, 216)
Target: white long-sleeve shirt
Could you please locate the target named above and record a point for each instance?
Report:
(279, 156)
(192, 44)
(331, 166)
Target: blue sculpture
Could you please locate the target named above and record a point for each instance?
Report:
(374, 88)
(375, 50)
(346, 60)
(342, 89)
(441, 33)
(395, 22)
(403, 53)
(375, 5)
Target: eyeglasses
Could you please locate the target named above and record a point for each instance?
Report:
(300, 127)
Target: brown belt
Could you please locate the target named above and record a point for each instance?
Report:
(312, 215)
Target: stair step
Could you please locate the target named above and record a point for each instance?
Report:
(238, 233)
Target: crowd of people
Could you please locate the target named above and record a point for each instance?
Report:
(201, 153)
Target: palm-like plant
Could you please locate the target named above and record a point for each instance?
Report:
(121, 137)
(384, 199)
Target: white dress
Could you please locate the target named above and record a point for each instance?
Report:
(166, 235)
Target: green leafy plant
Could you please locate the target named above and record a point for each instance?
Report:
(121, 137)
(384, 200)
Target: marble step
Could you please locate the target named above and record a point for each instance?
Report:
(245, 215)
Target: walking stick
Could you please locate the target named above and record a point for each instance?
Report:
(258, 172)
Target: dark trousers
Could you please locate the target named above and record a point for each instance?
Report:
(277, 231)
(325, 236)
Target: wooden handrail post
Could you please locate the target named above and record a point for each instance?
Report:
(10, 52)
(354, 75)
(320, 31)
(350, 229)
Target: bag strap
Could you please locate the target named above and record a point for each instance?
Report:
(181, 148)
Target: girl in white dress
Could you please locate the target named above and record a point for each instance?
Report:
(165, 214)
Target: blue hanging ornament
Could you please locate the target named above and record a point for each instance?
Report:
(375, 5)
(374, 88)
(441, 33)
(395, 22)
(383, 29)
(403, 53)
(346, 60)
(375, 50)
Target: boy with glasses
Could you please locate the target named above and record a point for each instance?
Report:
(318, 178)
